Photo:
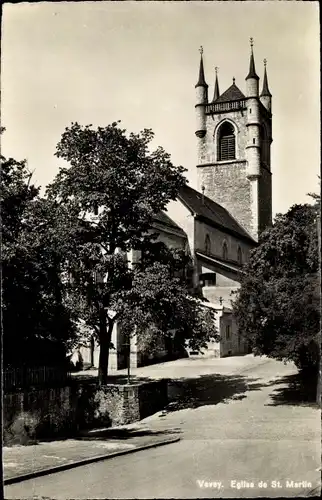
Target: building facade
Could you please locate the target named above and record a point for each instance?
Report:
(220, 223)
(234, 136)
(233, 205)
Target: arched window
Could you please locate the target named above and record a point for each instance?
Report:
(226, 147)
(224, 251)
(207, 245)
(239, 256)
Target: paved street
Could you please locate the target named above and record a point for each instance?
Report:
(240, 419)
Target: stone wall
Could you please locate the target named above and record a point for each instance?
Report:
(64, 411)
(226, 183)
(107, 406)
(117, 404)
(38, 413)
(208, 153)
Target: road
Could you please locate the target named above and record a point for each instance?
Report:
(240, 429)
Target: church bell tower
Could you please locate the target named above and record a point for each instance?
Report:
(234, 136)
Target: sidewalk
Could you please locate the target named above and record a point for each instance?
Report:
(24, 462)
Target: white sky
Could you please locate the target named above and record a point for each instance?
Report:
(96, 62)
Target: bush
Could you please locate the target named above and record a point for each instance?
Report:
(22, 430)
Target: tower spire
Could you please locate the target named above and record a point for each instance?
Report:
(202, 100)
(201, 81)
(252, 71)
(216, 91)
(265, 91)
(266, 96)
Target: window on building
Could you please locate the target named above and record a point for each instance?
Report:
(239, 256)
(228, 332)
(207, 245)
(224, 251)
(226, 142)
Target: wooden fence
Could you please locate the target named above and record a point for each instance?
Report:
(26, 377)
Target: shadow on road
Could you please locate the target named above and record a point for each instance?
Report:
(209, 390)
(198, 391)
(123, 434)
(216, 388)
(296, 391)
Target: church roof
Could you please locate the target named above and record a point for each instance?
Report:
(201, 80)
(164, 219)
(216, 89)
(252, 72)
(231, 94)
(212, 212)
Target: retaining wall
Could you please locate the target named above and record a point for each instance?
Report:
(46, 413)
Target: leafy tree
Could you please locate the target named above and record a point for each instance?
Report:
(107, 198)
(36, 324)
(159, 304)
(277, 306)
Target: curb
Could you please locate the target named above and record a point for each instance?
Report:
(85, 461)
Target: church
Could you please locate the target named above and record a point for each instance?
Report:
(220, 223)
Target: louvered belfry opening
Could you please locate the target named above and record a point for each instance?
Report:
(226, 142)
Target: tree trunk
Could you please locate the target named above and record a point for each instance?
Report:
(92, 348)
(105, 336)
